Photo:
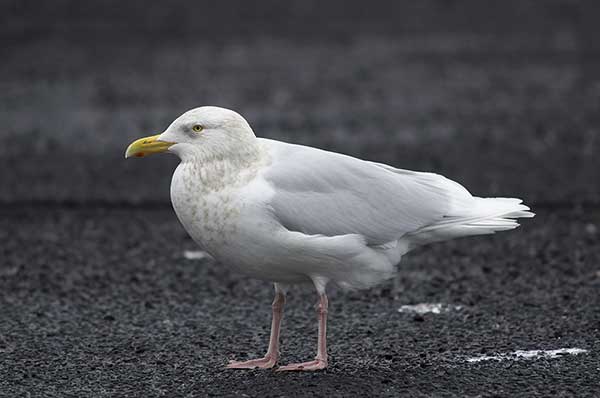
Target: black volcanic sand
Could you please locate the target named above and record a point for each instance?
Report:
(101, 302)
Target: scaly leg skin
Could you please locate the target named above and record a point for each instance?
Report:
(320, 361)
(272, 355)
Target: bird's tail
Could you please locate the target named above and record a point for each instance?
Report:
(479, 216)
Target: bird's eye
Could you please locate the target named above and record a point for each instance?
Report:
(197, 128)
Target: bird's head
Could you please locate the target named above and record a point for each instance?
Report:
(208, 131)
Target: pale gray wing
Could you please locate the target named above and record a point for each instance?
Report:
(320, 192)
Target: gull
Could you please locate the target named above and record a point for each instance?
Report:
(293, 214)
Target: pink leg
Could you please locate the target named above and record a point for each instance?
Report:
(272, 355)
(320, 361)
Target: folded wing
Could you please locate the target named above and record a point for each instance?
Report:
(325, 193)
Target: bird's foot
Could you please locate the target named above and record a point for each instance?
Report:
(263, 363)
(317, 364)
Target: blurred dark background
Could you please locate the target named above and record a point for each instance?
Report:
(501, 96)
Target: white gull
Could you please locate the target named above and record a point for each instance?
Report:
(294, 214)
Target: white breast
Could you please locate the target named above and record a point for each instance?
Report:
(219, 206)
(209, 215)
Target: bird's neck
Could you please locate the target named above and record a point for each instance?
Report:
(214, 171)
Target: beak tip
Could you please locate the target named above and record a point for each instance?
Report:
(146, 146)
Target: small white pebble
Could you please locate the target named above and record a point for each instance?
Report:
(195, 255)
(591, 228)
(425, 308)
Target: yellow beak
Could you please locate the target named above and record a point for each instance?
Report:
(147, 146)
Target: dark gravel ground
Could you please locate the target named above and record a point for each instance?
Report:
(101, 302)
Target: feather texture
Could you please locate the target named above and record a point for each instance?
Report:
(320, 192)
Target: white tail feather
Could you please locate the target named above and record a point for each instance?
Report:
(466, 214)
(472, 216)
